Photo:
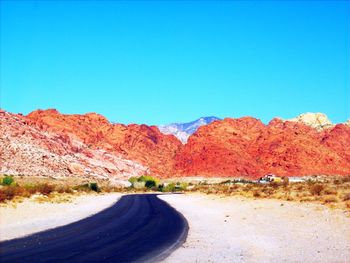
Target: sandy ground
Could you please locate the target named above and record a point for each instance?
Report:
(30, 216)
(233, 229)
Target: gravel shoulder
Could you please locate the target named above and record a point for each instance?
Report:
(31, 216)
(234, 229)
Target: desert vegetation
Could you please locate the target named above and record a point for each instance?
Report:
(330, 191)
(153, 184)
(11, 188)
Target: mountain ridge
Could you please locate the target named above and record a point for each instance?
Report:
(48, 143)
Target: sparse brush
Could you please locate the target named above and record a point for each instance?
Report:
(330, 199)
(346, 197)
(45, 189)
(330, 191)
(256, 193)
(316, 189)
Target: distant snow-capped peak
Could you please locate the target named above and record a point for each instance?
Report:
(183, 130)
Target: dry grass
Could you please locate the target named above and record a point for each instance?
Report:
(50, 189)
(331, 191)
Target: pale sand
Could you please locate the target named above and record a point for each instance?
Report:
(233, 229)
(30, 216)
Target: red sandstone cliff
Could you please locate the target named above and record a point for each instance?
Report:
(142, 143)
(28, 150)
(50, 143)
(247, 147)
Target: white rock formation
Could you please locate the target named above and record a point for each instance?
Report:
(318, 121)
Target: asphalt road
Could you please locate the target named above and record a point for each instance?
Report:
(138, 228)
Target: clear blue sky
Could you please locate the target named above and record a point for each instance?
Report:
(160, 62)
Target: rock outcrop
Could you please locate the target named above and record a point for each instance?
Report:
(319, 121)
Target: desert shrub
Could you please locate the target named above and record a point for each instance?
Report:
(174, 187)
(285, 181)
(44, 189)
(145, 180)
(330, 199)
(150, 183)
(345, 179)
(64, 189)
(346, 197)
(274, 185)
(316, 189)
(170, 188)
(2, 196)
(132, 180)
(82, 188)
(11, 191)
(8, 180)
(30, 188)
(256, 193)
(330, 191)
(94, 187)
(337, 182)
(299, 186)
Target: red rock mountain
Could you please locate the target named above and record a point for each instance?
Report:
(47, 142)
(29, 150)
(141, 143)
(247, 147)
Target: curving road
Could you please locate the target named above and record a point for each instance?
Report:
(138, 228)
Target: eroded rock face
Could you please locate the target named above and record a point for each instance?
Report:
(28, 150)
(247, 147)
(142, 143)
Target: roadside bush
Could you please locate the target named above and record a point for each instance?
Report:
(174, 187)
(256, 193)
(44, 189)
(94, 187)
(316, 189)
(169, 188)
(88, 187)
(148, 181)
(132, 180)
(8, 180)
(2, 196)
(346, 197)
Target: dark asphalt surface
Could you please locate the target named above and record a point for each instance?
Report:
(138, 228)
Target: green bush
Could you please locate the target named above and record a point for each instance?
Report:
(149, 181)
(173, 187)
(133, 179)
(8, 180)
